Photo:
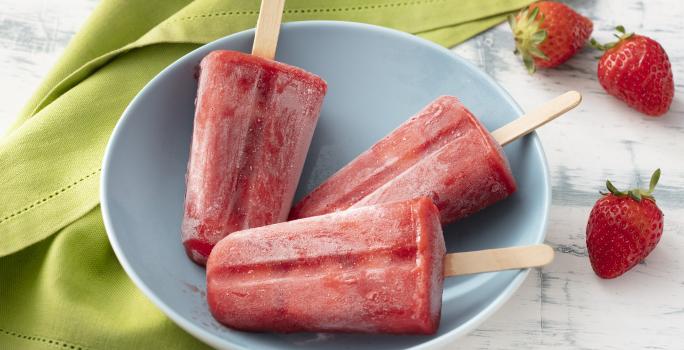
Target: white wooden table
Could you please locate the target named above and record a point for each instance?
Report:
(563, 305)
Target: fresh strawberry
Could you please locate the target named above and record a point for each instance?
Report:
(636, 69)
(623, 229)
(548, 33)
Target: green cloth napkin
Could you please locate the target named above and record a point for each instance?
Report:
(60, 284)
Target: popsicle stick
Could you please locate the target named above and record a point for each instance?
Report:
(457, 264)
(538, 117)
(268, 28)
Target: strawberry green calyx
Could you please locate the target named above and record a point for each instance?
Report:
(636, 193)
(621, 35)
(528, 36)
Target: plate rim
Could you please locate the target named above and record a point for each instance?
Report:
(218, 342)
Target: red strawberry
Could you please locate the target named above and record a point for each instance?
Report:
(548, 33)
(635, 69)
(623, 229)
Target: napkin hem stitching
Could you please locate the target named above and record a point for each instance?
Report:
(48, 198)
(49, 341)
(310, 10)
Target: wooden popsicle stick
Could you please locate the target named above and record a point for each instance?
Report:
(488, 260)
(268, 28)
(538, 117)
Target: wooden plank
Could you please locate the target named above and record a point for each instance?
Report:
(565, 305)
(33, 33)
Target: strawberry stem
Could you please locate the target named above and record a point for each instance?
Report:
(654, 180)
(636, 193)
(526, 28)
(621, 36)
(613, 189)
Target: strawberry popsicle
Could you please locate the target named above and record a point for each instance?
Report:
(443, 152)
(254, 121)
(372, 269)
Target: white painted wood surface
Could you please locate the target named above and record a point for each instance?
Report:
(564, 305)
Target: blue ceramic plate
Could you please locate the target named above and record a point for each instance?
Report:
(377, 78)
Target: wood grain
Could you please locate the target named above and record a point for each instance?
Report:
(268, 28)
(563, 305)
(33, 33)
(536, 118)
(499, 259)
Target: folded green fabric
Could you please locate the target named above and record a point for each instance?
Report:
(60, 284)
